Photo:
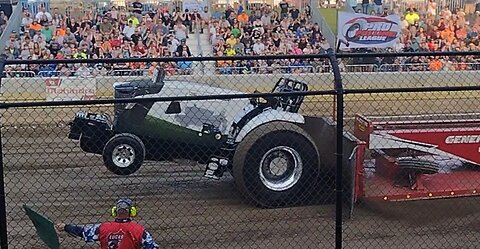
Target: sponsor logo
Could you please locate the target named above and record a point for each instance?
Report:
(464, 139)
(113, 239)
(69, 89)
(73, 90)
(52, 82)
(370, 30)
(362, 124)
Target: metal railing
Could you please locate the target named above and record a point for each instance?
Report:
(13, 25)
(34, 6)
(324, 27)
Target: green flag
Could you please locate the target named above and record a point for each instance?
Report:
(44, 226)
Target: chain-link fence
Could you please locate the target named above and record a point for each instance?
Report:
(420, 131)
(223, 157)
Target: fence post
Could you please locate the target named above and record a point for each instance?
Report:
(3, 204)
(339, 150)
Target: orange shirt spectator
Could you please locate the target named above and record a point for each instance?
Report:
(36, 26)
(60, 32)
(447, 35)
(242, 18)
(435, 65)
(107, 46)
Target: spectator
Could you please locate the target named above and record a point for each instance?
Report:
(180, 30)
(258, 47)
(42, 13)
(365, 5)
(377, 6)
(205, 16)
(231, 41)
(47, 32)
(183, 50)
(230, 51)
(294, 12)
(242, 18)
(129, 30)
(105, 26)
(435, 64)
(412, 16)
(432, 8)
(239, 47)
(27, 20)
(196, 20)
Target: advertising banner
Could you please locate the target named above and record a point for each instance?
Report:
(192, 5)
(356, 30)
(62, 89)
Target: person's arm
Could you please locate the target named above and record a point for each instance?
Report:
(148, 242)
(89, 233)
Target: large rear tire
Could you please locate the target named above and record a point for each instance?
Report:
(276, 165)
(124, 154)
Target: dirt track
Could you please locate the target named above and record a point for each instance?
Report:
(184, 210)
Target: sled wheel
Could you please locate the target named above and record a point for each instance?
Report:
(124, 154)
(419, 165)
(276, 165)
(410, 168)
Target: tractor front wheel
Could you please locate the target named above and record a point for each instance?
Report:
(124, 154)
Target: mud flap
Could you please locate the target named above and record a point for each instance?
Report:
(323, 132)
(353, 171)
(349, 178)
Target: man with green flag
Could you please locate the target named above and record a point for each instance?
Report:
(122, 233)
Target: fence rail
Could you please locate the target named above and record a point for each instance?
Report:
(330, 157)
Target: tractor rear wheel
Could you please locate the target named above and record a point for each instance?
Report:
(277, 164)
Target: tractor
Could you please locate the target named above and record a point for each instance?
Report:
(261, 142)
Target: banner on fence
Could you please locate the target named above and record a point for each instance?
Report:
(365, 31)
(192, 5)
(62, 89)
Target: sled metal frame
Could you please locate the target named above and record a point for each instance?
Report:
(375, 181)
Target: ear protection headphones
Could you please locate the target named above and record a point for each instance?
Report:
(132, 211)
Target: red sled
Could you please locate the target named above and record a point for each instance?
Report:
(417, 157)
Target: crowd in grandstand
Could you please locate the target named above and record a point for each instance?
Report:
(425, 30)
(264, 30)
(116, 33)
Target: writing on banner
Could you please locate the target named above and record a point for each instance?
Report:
(70, 88)
(192, 5)
(356, 30)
